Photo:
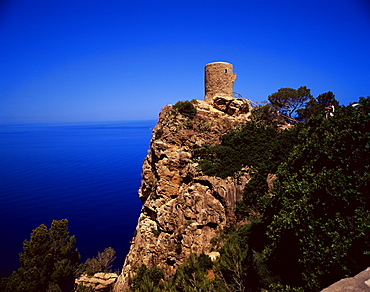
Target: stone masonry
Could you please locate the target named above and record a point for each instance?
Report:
(218, 80)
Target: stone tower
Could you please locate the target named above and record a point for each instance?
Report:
(218, 80)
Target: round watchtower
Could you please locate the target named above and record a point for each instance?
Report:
(218, 80)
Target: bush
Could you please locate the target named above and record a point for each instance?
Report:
(195, 275)
(186, 108)
(147, 279)
(255, 198)
(255, 145)
(101, 263)
(267, 115)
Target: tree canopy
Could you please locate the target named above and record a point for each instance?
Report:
(48, 263)
(317, 105)
(289, 100)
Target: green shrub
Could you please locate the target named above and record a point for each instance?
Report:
(255, 198)
(101, 263)
(255, 145)
(267, 115)
(186, 108)
(147, 279)
(193, 276)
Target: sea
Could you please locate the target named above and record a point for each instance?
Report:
(88, 173)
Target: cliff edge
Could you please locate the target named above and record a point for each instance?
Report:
(183, 209)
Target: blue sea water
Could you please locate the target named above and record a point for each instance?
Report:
(88, 173)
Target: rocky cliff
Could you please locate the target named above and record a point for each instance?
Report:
(99, 282)
(183, 209)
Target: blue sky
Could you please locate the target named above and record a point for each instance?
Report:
(72, 61)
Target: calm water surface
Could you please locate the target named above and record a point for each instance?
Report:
(88, 173)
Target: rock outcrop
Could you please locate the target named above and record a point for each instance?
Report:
(183, 209)
(100, 282)
(358, 283)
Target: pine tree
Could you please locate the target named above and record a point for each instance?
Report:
(48, 262)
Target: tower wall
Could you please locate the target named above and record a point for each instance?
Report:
(218, 79)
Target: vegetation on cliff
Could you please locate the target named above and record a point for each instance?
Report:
(312, 227)
(257, 146)
(319, 219)
(186, 108)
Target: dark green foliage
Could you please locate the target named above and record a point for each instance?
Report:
(252, 146)
(48, 262)
(205, 262)
(82, 288)
(289, 100)
(255, 197)
(283, 288)
(315, 107)
(267, 115)
(258, 146)
(322, 200)
(195, 274)
(147, 280)
(101, 263)
(186, 108)
(233, 256)
(218, 160)
(241, 265)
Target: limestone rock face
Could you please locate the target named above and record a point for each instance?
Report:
(100, 282)
(358, 283)
(183, 209)
(230, 105)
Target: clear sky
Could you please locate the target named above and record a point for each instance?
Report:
(80, 60)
